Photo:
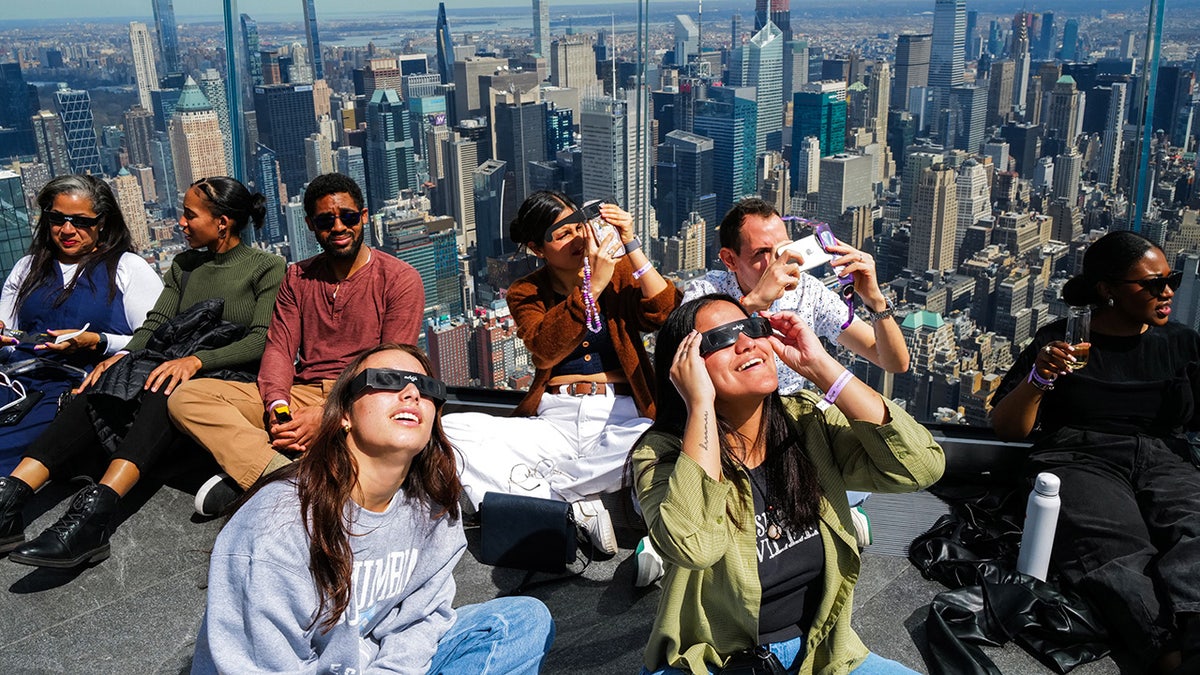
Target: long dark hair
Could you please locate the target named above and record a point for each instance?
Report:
(112, 238)
(791, 477)
(228, 197)
(1109, 257)
(325, 476)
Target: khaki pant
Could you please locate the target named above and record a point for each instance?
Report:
(229, 420)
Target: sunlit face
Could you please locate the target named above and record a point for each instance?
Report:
(567, 244)
(336, 238)
(1137, 303)
(744, 370)
(397, 423)
(200, 227)
(758, 240)
(74, 240)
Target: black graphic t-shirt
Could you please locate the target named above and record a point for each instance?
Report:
(790, 571)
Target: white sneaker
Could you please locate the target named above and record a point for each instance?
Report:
(593, 518)
(862, 527)
(647, 564)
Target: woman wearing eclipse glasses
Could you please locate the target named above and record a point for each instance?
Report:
(1112, 414)
(744, 493)
(581, 317)
(82, 278)
(219, 265)
(343, 560)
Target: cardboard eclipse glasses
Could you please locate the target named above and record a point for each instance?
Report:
(725, 335)
(387, 379)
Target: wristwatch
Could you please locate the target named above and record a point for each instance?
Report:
(888, 312)
(102, 344)
(633, 245)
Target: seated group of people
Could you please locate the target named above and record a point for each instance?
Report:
(303, 384)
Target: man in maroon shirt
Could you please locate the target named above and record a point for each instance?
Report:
(330, 308)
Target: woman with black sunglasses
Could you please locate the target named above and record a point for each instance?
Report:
(744, 493)
(1112, 431)
(82, 278)
(134, 430)
(343, 561)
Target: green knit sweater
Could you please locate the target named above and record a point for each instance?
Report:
(246, 278)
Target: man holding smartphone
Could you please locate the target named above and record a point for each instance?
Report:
(750, 234)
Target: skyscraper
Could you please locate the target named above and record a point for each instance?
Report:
(521, 139)
(250, 45)
(314, 40)
(234, 94)
(460, 158)
(129, 199)
(967, 117)
(213, 87)
(687, 39)
(845, 183)
(445, 47)
(489, 211)
(974, 200)
(143, 62)
(197, 144)
(728, 117)
(1019, 53)
(759, 64)
(795, 67)
(18, 105)
(1068, 168)
(139, 131)
(807, 165)
(1000, 95)
(266, 178)
(15, 234)
(572, 62)
(1062, 118)
(541, 27)
(611, 166)
(777, 12)
(947, 56)
(75, 111)
(168, 34)
(1113, 139)
(934, 220)
(391, 166)
(685, 181)
(301, 242)
(820, 110)
(349, 162)
(912, 66)
(285, 117)
(1070, 41)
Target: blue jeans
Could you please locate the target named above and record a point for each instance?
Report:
(505, 635)
(791, 654)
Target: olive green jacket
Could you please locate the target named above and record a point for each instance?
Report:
(711, 592)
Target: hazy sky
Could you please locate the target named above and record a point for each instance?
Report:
(65, 9)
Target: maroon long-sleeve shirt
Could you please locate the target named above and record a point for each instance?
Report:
(321, 324)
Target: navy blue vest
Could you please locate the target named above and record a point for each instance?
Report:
(87, 304)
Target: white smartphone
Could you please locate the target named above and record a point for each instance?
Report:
(808, 249)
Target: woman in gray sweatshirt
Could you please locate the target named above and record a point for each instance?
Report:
(373, 509)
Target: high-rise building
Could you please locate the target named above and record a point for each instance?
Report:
(974, 200)
(253, 58)
(233, 94)
(759, 63)
(541, 27)
(1000, 95)
(391, 166)
(18, 105)
(685, 181)
(445, 47)
(1068, 168)
(1063, 116)
(820, 110)
(168, 34)
(460, 158)
(612, 167)
(795, 67)
(807, 163)
(947, 56)
(285, 117)
(879, 97)
(450, 350)
(75, 111)
(1114, 127)
(520, 139)
(1045, 50)
(15, 234)
(777, 12)
(687, 39)
(301, 242)
(1070, 41)
(143, 61)
(197, 144)
(934, 220)
(430, 248)
(129, 199)
(266, 178)
(470, 98)
(917, 159)
(573, 62)
(139, 131)
(490, 229)
(845, 183)
(349, 162)
(318, 154)
(967, 118)
(1019, 53)
(213, 87)
(728, 117)
(314, 40)
(912, 66)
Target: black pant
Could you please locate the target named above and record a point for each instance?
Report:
(1128, 534)
(70, 445)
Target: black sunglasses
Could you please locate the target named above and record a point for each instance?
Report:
(725, 335)
(1156, 285)
(325, 221)
(387, 379)
(58, 219)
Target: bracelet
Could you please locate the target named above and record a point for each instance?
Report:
(641, 271)
(1038, 381)
(888, 312)
(834, 390)
(633, 245)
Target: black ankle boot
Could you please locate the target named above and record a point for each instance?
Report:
(80, 536)
(13, 495)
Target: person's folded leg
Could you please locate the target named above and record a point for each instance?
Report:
(504, 636)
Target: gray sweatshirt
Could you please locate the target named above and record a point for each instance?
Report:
(261, 595)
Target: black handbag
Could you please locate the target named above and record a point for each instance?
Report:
(753, 661)
(526, 533)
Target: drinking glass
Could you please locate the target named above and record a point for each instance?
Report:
(1079, 323)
